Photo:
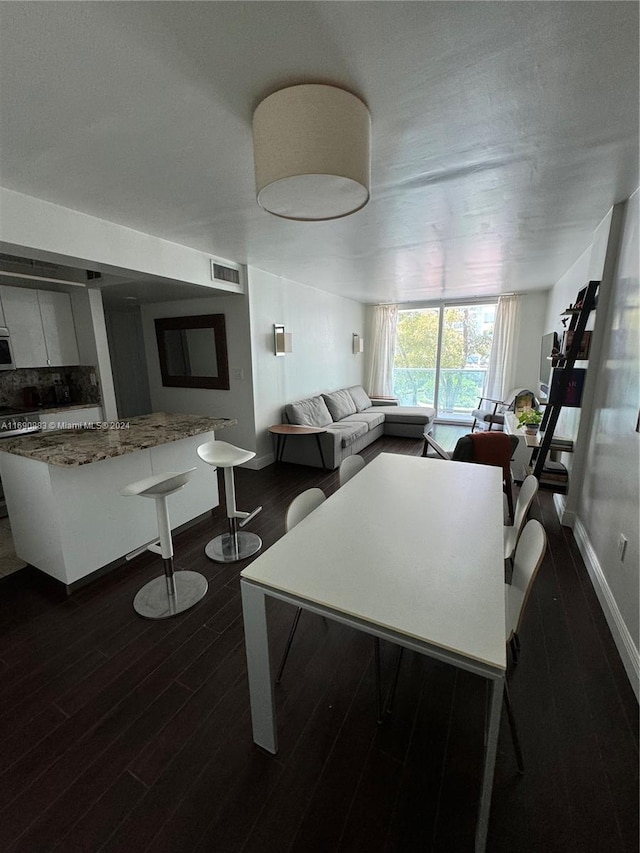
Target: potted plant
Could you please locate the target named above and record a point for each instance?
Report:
(530, 419)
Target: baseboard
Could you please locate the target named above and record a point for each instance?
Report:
(566, 518)
(259, 462)
(621, 636)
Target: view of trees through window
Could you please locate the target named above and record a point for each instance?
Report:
(445, 370)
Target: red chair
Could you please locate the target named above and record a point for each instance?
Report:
(489, 448)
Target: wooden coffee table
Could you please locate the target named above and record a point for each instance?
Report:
(283, 431)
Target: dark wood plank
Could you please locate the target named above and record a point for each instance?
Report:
(104, 769)
(120, 734)
(138, 831)
(373, 804)
(282, 813)
(99, 821)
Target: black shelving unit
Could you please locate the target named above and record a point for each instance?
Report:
(586, 302)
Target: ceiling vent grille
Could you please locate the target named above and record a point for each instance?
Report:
(229, 275)
(26, 268)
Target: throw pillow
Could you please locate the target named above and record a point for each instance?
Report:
(340, 404)
(312, 412)
(360, 398)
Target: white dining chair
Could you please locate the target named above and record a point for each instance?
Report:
(528, 557)
(349, 467)
(528, 491)
(527, 560)
(298, 509)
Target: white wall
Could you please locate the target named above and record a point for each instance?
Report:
(68, 236)
(565, 290)
(533, 307)
(238, 401)
(603, 499)
(609, 502)
(93, 348)
(322, 326)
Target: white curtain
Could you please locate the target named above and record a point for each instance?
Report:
(500, 376)
(381, 348)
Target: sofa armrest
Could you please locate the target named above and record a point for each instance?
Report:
(384, 401)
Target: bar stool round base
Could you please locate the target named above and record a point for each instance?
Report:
(223, 548)
(154, 602)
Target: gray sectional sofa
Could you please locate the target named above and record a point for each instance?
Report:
(352, 420)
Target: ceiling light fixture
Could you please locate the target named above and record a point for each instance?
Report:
(312, 153)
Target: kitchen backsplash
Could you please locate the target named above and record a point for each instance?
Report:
(30, 387)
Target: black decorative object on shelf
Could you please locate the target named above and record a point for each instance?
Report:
(567, 386)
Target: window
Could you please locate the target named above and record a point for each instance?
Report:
(441, 357)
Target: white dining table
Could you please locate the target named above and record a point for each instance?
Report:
(409, 550)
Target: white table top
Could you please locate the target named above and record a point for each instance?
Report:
(410, 544)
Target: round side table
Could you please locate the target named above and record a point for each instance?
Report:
(283, 431)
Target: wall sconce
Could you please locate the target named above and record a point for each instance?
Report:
(357, 343)
(281, 340)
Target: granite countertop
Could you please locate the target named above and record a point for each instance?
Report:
(74, 447)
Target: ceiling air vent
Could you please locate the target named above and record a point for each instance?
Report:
(32, 269)
(229, 275)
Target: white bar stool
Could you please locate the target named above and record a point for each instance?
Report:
(234, 545)
(170, 593)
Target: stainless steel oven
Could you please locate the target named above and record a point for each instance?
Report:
(14, 423)
(6, 354)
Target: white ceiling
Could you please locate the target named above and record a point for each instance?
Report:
(502, 132)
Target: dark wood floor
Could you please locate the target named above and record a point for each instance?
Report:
(119, 734)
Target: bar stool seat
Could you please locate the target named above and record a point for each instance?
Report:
(169, 594)
(234, 545)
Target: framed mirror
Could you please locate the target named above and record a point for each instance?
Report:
(193, 351)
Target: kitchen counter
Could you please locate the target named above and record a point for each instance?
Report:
(107, 440)
(63, 489)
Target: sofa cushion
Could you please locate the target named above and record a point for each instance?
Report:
(487, 416)
(312, 412)
(360, 397)
(348, 431)
(407, 414)
(340, 404)
(372, 419)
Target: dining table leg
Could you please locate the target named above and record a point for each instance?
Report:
(495, 689)
(261, 696)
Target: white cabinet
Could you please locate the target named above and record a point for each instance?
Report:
(22, 317)
(70, 521)
(58, 327)
(41, 326)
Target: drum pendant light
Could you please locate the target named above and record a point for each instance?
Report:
(312, 153)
